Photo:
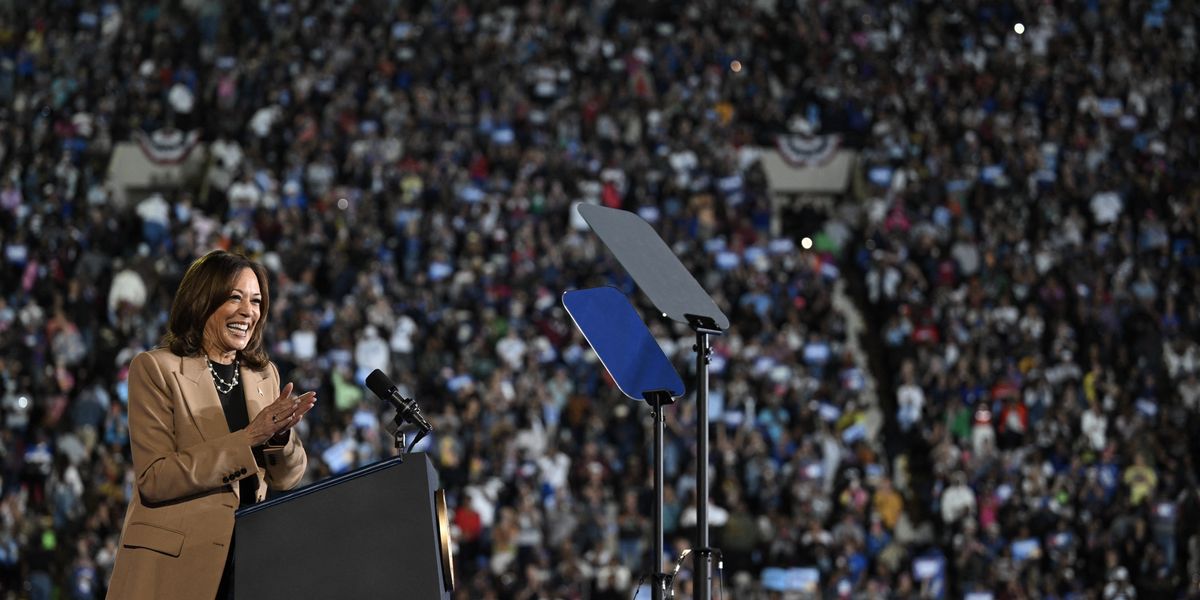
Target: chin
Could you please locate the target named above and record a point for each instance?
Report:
(238, 345)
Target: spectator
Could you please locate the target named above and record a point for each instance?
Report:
(1140, 478)
(958, 500)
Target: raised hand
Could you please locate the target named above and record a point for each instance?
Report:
(280, 415)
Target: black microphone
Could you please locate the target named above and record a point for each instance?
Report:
(406, 408)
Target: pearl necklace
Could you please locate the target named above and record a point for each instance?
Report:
(229, 385)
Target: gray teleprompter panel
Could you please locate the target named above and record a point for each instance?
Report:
(655, 269)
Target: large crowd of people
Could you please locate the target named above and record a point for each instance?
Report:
(1031, 269)
(1023, 237)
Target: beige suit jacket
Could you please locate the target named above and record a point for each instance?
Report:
(180, 521)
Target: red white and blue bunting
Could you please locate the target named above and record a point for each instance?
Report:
(167, 146)
(808, 150)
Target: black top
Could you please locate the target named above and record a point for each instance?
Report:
(234, 405)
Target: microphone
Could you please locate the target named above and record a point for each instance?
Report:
(406, 408)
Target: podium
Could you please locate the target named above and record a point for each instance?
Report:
(380, 531)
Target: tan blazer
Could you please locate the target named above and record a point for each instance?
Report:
(179, 524)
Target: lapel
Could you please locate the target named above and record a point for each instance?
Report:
(200, 395)
(257, 389)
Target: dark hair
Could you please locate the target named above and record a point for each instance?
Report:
(206, 284)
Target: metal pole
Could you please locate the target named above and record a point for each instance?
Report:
(656, 545)
(703, 552)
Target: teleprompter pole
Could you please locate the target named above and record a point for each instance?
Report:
(657, 404)
(704, 328)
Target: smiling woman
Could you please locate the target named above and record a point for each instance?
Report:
(228, 328)
(206, 435)
(220, 310)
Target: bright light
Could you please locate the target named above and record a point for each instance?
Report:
(736, 66)
(806, 243)
(1019, 28)
(22, 402)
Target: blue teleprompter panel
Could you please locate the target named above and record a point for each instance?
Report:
(616, 332)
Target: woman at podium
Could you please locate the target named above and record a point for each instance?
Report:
(210, 430)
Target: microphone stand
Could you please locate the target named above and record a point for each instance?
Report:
(403, 417)
(398, 434)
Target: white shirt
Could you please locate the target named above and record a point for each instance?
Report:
(127, 286)
(512, 350)
(371, 353)
(1106, 207)
(910, 397)
(958, 501)
(1094, 426)
(154, 210)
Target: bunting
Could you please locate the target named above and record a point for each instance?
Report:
(167, 146)
(801, 151)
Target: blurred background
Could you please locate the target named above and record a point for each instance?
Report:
(957, 241)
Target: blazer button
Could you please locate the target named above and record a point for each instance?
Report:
(243, 470)
(224, 480)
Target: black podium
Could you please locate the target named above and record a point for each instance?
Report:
(380, 531)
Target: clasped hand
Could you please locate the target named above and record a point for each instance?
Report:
(280, 415)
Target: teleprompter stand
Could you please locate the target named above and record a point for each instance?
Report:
(641, 371)
(677, 294)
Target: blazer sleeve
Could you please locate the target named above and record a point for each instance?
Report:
(285, 464)
(165, 471)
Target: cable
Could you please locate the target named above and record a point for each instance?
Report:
(638, 587)
(679, 563)
(670, 583)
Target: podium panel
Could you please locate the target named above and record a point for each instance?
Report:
(370, 533)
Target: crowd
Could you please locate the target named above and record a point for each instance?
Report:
(407, 172)
(1031, 259)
